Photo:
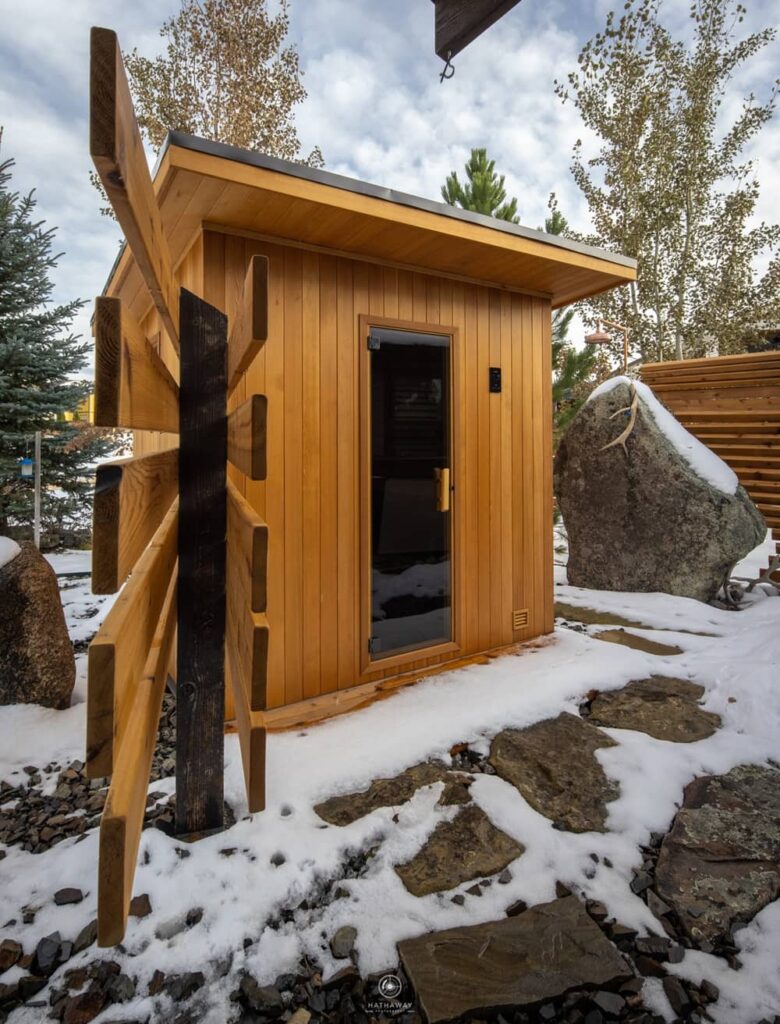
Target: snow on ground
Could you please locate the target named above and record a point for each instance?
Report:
(242, 894)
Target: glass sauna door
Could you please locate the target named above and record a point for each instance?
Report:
(411, 573)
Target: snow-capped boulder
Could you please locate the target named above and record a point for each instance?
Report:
(648, 507)
(37, 665)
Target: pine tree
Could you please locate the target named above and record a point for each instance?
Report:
(484, 191)
(573, 368)
(39, 356)
(670, 185)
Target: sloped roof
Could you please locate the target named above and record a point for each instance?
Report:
(199, 182)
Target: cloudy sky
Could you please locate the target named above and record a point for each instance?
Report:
(375, 104)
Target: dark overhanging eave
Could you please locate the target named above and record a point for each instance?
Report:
(341, 181)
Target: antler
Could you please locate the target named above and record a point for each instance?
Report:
(621, 440)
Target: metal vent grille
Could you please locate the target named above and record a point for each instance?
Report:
(520, 618)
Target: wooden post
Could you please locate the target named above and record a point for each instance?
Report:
(200, 692)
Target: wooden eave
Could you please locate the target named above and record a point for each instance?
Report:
(201, 183)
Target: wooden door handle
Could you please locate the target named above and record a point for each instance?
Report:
(442, 478)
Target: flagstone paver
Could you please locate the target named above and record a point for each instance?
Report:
(637, 643)
(720, 863)
(512, 963)
(660, 706)
(470, 846)
(553, 765)
(344, 809)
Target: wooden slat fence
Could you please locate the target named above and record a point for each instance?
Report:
(732, 404)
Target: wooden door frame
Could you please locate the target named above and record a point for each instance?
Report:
(369, 666)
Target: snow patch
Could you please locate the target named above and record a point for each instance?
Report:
(704, 462)
(9, 549)
(243, 893)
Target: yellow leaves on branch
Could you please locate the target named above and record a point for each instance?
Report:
(226, 75)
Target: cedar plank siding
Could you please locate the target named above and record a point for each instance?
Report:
(310, 369)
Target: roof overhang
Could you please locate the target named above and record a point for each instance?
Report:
(201, 183)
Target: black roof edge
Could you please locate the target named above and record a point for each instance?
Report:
(341, 181)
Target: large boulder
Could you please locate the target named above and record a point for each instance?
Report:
(655, 512)
(37, 665)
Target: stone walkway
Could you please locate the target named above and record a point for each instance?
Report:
(716, 868)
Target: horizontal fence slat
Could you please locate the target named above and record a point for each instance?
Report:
(131, 499)
(123, 815)
(247, 540)
(119, 651)
(732, 404)
(249, 326)
(134, 388)
(247, 437)
(251, 734)
(248, 634)
(739, 358)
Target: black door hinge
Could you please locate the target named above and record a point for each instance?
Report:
(373, 342)
(373, 644)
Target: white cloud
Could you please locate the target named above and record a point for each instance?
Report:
(375, 104)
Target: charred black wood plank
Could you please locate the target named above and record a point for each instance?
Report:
(200, 695)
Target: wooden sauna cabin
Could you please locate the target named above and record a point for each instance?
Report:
(407, 372)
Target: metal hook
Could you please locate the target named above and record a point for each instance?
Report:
(449, 68)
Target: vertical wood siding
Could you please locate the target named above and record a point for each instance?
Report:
(310, 370)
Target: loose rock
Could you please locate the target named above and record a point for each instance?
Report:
(140, 906)
(343, 942)
(83, 1008)
(181, 986)
(10, 952)
(676, 995)
(63, 897)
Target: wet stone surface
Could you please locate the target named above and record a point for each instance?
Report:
(663, 707)
(637, 643)
(553, 766)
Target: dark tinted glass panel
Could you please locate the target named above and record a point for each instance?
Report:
(410, 517)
